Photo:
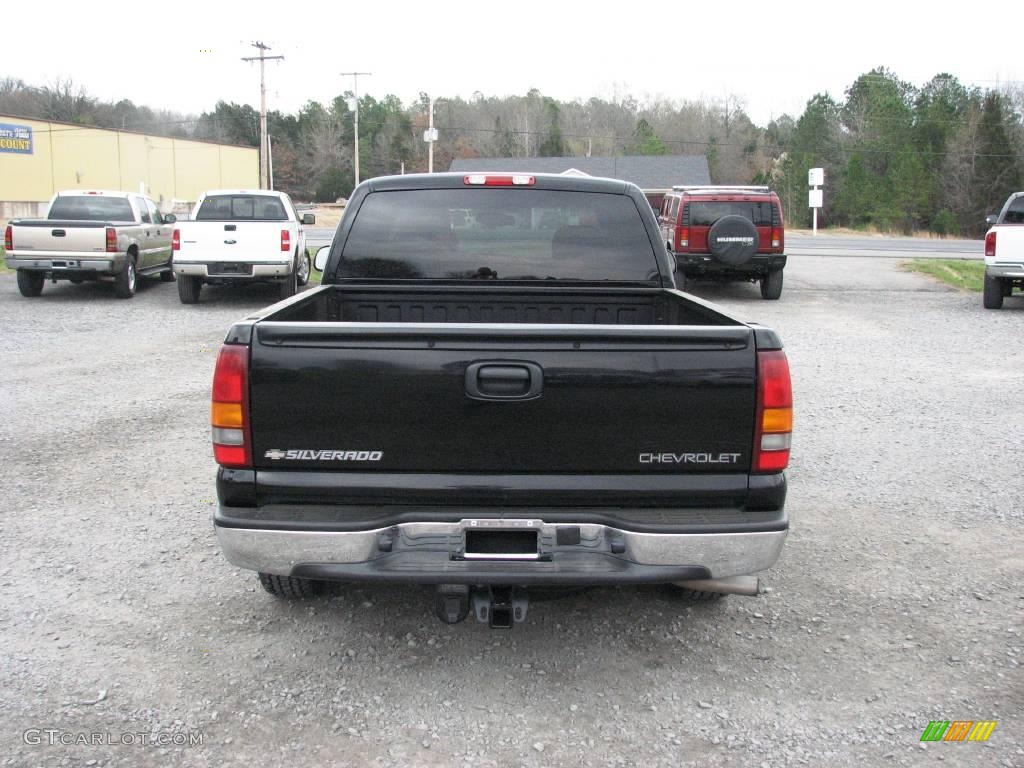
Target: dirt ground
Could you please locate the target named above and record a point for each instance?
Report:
(898, 598)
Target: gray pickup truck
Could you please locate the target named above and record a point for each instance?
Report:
(91, 235)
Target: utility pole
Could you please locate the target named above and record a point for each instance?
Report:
(264, 143)
(430, 141)
(355, 90)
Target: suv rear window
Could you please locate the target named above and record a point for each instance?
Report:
(244, 207)
(91, 208)
(510, 234)
(704, 214)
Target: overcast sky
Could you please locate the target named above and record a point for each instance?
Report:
(772, 56)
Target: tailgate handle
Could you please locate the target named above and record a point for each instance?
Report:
(500, 380)
(230, 227)
(58, 233)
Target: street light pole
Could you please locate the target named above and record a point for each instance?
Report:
(355, 90)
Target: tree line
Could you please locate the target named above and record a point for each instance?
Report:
(897, 157)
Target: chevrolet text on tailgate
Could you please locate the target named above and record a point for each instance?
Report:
(510, 393)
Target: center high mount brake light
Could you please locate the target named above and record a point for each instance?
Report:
(503, 180)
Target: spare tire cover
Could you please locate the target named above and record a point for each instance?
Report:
(732, 240)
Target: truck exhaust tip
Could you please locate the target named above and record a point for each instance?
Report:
(731, 585)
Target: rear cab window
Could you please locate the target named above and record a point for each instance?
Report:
(501, 234)
(1014, 212)
(91, 208)
(241, 208)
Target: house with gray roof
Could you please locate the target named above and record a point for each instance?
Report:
(654, 174)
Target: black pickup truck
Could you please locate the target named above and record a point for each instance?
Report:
(496, 387)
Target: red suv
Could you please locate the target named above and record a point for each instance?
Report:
(726, 233)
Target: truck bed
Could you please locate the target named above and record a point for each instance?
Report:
(353, 303)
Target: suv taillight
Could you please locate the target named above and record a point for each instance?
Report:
(229, 412)
(990, 243)
(286, 240)
(774, 412)
(9, 238)
(777, 238)
(684, 237)
(176, 240)
(111, 240)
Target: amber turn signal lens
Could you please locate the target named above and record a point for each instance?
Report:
(777, 420)
(226, 414)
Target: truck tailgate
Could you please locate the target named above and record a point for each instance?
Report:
(44, 236)
(493, 398)
(232, 241)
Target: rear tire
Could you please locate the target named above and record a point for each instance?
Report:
(30, 283)
(304, 268)
(992, 294)
(124, 283)
(771, 285)
(189, 288)
(290, 587)
(290, 284)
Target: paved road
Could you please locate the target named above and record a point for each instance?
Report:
(316, 236)
(898, 598)
(798, 243)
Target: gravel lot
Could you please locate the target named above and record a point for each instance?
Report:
(898, 599)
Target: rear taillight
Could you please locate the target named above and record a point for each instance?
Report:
(229, 413)
(777, 243)
(9, 238)
(774, 412)
(989, 244)
(502, 180)
(111, 240)
(684, 237)
(286, 240)
(176, 240)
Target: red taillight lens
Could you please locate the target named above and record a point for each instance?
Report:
(774, 412)
(229, 413)
(9, 238)
(176, 240)
(487, 180)
(777, 238)
(990, 244)
(684, 237)
(286, 240)
(111, 240)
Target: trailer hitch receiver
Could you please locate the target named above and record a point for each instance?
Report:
(500, 607)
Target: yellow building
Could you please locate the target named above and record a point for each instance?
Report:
(39, 158)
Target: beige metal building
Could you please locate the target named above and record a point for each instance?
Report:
(39, 158)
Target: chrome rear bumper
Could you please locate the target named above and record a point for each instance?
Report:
(435, 553)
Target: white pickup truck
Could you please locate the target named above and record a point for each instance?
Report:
(1004, 252)
(241, 236)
